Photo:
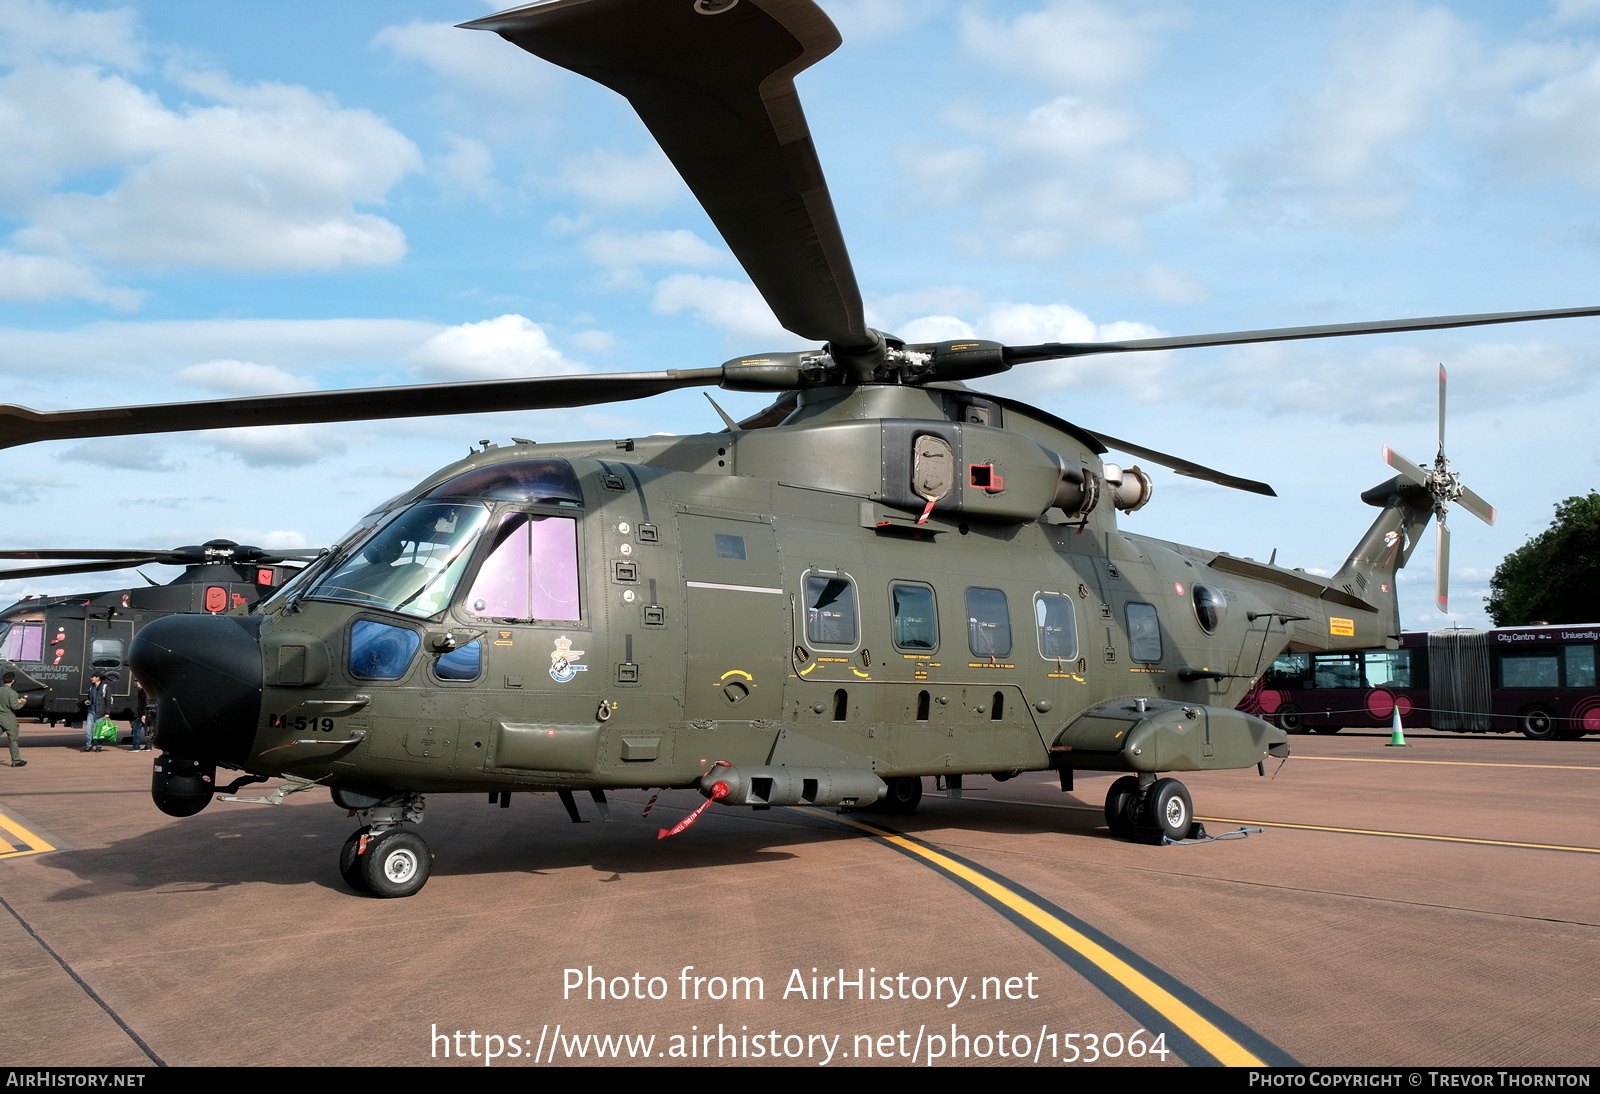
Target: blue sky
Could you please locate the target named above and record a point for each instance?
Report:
(199, 200)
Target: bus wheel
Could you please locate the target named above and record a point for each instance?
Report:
(1327, 729)
(1537, 723)
(1290, 720)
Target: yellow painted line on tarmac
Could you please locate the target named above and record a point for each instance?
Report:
(31, 844)
(1403, 835)
(1228, 1051)
(1444, 763)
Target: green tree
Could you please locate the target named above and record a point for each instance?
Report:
(1555, 576)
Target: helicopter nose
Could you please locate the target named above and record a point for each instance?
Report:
(205, 673)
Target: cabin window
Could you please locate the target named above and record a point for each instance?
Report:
(461, 663)
(988, 623)
(1144, 633)
(1580, 666)
(1058, 627)
(830, 610)
(413, 563)
(1387, 668)
(916, 623)
(729, 546)
(531, 571)
(1210, 606)
(542, 482)
(379, 651)
(105, 653)
(1530, 669)
(22, 642)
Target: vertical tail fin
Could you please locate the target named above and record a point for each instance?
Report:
(1369, 572)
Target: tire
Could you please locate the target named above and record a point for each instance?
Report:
(350, 864)
(903, 796)
(1290, 720)
(1326, 729)
(1123, 792)
(397, 863)
(1537, 723)
(1168, 812)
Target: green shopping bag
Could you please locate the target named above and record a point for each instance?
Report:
(105, 730)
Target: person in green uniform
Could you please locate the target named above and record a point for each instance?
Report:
(10, 703)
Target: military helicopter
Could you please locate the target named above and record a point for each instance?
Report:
(55, 643)
(884, 576)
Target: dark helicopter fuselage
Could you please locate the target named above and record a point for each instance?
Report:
(54, 644)
(635, 613)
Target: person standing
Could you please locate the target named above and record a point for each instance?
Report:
(99, 705)
(141, 719)
(10, 703)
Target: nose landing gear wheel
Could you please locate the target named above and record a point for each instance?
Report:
(1168, 812)
(350, 863)
(397, 863)
(1123, 793)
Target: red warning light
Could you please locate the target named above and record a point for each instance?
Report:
(216, 598)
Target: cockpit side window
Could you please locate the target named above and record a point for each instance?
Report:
(530, 572)
(412, 564)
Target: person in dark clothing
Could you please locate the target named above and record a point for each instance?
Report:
(98, 705)
(10, 703)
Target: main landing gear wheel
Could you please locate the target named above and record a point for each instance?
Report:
(350, 863)
(1290, 720)
(903, 796)
(397, 863)
(1123, 793)
(1537, 723)
(1168, 812)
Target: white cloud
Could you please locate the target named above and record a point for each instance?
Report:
(679, 247)
(45, 277)
(1068, 43)
(30, 29)
(609, 178)
(279, 445)
(867, 20)
(485, 72)
(508, 346)
(595, 341)
(100, 171)
(123, 454)
(231, 377)
(735, 306)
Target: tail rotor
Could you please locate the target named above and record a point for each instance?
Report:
(1443, 486)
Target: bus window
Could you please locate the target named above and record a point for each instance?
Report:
(1530, 669)
(1580, 666)
(1340, 670)
(1290, 670)
(1388, 668)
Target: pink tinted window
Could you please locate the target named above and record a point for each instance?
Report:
(531, 571)
(25, 642)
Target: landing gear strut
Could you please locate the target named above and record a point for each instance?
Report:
(1151, 810)
(383, 857)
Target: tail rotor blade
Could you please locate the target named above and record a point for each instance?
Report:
(1442, 380)
(1408, 470)
(1475, 505)
(1441, 575)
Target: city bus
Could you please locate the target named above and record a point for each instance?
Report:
(1539, 681)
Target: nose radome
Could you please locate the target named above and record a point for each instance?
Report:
(205, 673)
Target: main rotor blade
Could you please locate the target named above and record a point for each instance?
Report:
(1051, 351)
(120, 553)
(1441, 572)
(78, 567)
(713, 80)
(1475, 505)
(1186, 468)
(20, 425)
(1408, 470)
